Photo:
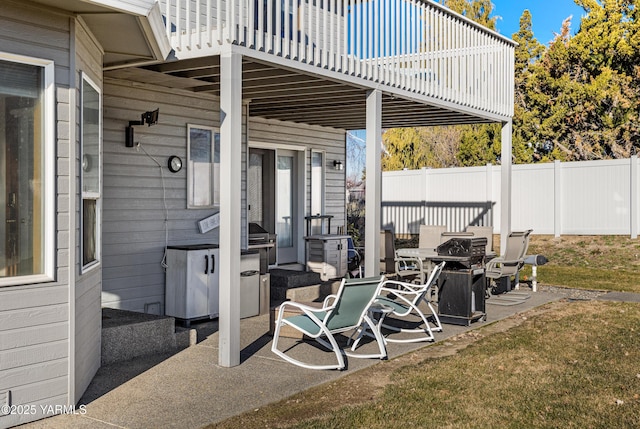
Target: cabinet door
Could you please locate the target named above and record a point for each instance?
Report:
(213, 284)
(197, 290)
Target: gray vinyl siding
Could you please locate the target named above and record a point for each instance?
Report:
(331, 141)
(34, 319)
(133, 209)
(88, 320)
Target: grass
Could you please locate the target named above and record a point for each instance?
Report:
(519, 378)
(567, 364)
(609, 263)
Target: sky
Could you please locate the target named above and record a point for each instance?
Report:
(546, 16)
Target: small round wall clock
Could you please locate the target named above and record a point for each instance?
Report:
(175, 164)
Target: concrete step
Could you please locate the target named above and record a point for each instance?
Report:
(128, 334)
(315, 292)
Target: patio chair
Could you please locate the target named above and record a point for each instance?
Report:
(430, 236)
(404, 299)
(512, 260)
(348, 310)
(387, 251)
(354, 259)
(486, 232)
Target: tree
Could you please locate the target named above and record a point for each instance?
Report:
(476, 10)
(525, 121)
(414, 148)
(583, 92)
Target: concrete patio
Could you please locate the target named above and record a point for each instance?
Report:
(189, 390)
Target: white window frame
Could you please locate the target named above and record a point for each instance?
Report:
(323, 179)
(48, 173)
(214, 173)
(96, 196)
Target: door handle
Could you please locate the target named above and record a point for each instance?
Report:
(206, 264)
(213, 264)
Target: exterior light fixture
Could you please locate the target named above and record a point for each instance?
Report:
(337, 165)
(149, 118)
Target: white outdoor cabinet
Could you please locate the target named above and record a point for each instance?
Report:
(327, 255)
(192, 279)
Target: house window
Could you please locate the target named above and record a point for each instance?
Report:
(203, 167)
(27, 161)
(91, 138)
(317, 190)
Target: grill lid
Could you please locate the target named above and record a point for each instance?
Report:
(462, 246)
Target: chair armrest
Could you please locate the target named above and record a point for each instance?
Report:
(326, 302)
(404, 286)
(306, 309)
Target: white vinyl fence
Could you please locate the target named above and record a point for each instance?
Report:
(573, 198)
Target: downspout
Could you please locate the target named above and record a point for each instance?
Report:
(73, 96)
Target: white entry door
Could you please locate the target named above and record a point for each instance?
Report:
(274, 198)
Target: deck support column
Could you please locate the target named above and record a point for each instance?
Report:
(505, 191)
(230, 205)
(373, 183)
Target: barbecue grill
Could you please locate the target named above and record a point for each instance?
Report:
(471, 248)
(462, 284)
(265, 242)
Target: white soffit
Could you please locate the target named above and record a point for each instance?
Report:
(130, 31)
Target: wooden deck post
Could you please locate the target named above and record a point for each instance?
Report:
(230, 213)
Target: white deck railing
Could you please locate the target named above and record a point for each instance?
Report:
(413, 45)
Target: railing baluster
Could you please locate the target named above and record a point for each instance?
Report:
(341, 39)
(241, 24)
(187, 24)
(358, 52)
(287, 30)
(198, 28)
(179, 23)
(168, 20)
(260, 35)
(269, 35)
(415, 45)
(295, 11)
(352, 39)
(331, 49)
(302, 55)
(316, 16)
(325, 33)
(374, 43)
(278, 30)
(251, 25)
(310, 42)
(209, 25)
(219, 24)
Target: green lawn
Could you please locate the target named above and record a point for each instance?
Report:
(568, 364)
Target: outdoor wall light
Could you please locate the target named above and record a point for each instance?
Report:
(337, 165)
(148, 118)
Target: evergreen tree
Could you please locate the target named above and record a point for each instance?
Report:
(584, 90)
(476, 10)
(525, 121)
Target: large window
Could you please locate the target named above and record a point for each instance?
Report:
(26, 170)
(203, 167)
(91, 137)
